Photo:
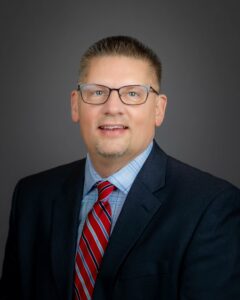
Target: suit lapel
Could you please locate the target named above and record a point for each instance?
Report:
(138, 210)
(64, 231)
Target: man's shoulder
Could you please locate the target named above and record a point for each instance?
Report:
(187, 190)
(189, 174)
(188, 180)
(55, 175)
(194, 185)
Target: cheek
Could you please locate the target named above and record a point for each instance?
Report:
(86, 115)
(85, 121)
(145, 120)
(143, 130)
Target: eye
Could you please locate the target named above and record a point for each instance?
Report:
(132, 94)
(98, 93)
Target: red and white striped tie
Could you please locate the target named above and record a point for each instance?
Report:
(92, 244)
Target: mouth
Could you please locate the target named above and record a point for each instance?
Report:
(113, 130)
(112, 127)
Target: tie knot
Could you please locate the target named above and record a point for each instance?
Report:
(105, 188)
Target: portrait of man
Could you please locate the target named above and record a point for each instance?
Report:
(128, 221)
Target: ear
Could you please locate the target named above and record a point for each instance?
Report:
(74, 106)
(161, 104)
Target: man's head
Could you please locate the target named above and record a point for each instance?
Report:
(116, 123)
(120, 46)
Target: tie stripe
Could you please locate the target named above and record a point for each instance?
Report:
(92, 244)
(77, 296)
(106, 209)
(89, 252)
(99, 226)
(80, 259)
(83, 277)
(79, 283)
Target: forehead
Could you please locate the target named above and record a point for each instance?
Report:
(119, 70)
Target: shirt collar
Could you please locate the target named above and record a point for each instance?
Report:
(122, 179)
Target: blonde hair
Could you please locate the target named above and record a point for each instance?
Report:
(121, 45)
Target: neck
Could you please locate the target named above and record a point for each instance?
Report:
(105, 167)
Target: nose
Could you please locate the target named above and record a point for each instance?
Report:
(114, 104)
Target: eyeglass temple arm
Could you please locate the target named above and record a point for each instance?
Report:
(153, 90)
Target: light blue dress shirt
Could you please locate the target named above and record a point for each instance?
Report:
(122, 179)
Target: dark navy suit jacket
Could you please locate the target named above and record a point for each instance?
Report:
(177, 237)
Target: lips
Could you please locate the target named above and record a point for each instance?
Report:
(112, 127)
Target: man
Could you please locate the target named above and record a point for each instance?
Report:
(159, 229)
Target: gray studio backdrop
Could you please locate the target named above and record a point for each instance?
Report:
(41, 43)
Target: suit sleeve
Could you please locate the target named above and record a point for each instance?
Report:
(10, 281)
(211, 268)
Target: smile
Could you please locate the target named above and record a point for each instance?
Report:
(112, 127)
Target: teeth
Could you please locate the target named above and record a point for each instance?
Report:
(111, 127)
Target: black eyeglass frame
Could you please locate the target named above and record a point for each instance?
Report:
(149, 89)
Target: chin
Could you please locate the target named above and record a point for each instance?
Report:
(111, 154)
(115, 152)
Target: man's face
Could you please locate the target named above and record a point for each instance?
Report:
(114, 131)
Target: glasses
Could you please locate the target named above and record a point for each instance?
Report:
(130, 94)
